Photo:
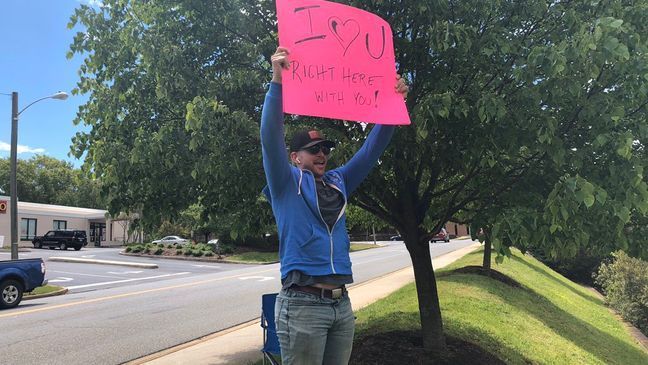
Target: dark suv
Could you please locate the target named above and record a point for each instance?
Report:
(62, 238)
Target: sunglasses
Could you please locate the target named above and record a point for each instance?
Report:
(313, 150)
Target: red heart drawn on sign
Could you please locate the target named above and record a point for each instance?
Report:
(344, 31)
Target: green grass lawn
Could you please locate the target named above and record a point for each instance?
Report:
(44, 290)
(254, 257)
(361, 246)
(550, 320)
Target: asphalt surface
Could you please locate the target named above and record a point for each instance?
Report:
(117, 324)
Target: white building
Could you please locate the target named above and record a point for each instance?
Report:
(36, 219)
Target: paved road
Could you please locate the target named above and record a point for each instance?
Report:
(89, 277)
(118, 324)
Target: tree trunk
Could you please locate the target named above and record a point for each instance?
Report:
(428, 297)
(487, 251)
(487, 255)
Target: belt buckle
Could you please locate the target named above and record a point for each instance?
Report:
(336, 293)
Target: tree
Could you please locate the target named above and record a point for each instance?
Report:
(46, 180)
(169, 126)
(498, 90)
(359, 220)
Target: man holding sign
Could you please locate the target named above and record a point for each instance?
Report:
(326, 73)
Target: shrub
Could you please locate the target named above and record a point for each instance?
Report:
(187, 252)
(225, 249)
(179, 251)
(137, 249)
(209, 253)
(170, 245)
(579, 268)
(128, 248)
(203, 247)
(158, 251)
(625, 283)
(197, 253)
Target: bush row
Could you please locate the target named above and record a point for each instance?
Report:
(196, 250)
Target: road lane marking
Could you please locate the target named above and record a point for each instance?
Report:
(125, 280)
(209, 266)
(88, 256)
(60, 279)
(124, 272)
(125, 295)
(74, 273)
(259, 278)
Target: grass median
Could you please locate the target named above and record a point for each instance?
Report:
(203, 252)
(546, 319)
(255, 257)
(43, 290)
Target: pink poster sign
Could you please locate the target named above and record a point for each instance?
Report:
(342, 63)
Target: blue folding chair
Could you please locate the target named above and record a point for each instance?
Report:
(271, 350)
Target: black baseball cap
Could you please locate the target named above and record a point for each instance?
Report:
(308, 138)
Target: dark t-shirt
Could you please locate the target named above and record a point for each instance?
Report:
(330, 203)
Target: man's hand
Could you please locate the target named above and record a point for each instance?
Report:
(279, 61)
(401, 86)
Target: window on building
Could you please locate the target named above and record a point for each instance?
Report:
(27, 229)
(60, 224)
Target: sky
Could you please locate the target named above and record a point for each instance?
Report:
(34, 40)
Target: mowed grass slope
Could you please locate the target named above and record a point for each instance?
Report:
(549, 320)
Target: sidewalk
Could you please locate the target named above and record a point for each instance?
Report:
(241, 344)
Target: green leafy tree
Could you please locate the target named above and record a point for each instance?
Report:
(359, 220)
(500, 90)
(47, 180)
(169, 125)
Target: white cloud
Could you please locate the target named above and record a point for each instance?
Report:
(97, 3)
(21, 149)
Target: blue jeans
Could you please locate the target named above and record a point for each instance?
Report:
(314, 330)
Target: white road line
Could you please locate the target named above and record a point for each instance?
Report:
(59, 279)
(126, 281)
(209, 266)
(258, 278)
(74, 273)
(124, 272)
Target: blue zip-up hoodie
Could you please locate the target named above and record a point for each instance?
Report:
(305, 242)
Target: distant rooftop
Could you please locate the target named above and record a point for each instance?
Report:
(50, 209)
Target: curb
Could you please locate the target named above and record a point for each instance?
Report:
(50, 294)
(182, 346)
(103, 262)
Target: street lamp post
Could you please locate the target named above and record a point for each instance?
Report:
(13, 163)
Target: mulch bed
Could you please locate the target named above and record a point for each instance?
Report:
(406, 347)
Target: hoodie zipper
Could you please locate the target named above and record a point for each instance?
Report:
(330, 230)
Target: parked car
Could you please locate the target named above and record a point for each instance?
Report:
(176, 240)
(442, 235)
(62, 238)
(396, 238)
(17, 277)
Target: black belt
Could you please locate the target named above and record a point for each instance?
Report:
(336, 293)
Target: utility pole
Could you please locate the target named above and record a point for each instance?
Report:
(12, 179)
